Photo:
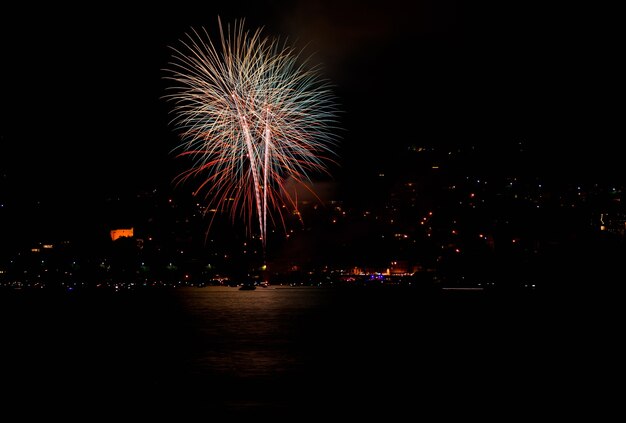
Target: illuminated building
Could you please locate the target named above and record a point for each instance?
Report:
(121, 233)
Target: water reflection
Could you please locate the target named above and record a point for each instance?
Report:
(250, 333)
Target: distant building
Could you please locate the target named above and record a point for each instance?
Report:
(121, 233)
(613, 222)
(399, 268)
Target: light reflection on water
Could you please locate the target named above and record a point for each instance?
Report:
(248, 333)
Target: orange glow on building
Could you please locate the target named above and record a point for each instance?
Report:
(119, 233)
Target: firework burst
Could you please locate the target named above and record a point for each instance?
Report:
(251, 115)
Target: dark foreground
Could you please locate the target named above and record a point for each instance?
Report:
(301, 353)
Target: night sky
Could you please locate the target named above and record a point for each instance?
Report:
(82, 115)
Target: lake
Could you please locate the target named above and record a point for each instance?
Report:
(293, 352)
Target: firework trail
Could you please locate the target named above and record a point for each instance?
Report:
(250, 115)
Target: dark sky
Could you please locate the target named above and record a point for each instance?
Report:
(80, 89)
